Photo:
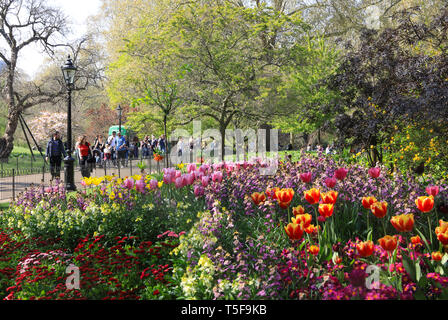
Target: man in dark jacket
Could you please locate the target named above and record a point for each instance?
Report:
(55, 151)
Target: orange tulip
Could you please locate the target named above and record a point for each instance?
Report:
(326, 210)
(368, 201)
(294, 231)
(312, 195)
(416, 240)
(388, 243)
(365, 249)
(436, 256)
(298, 210)
(271, 193)
(284, 197)
(314, 250)
(403, 222)
(442, 232)
(302, 219)
(424, 203)
(329, 197)
(258, 197)
(379, 209)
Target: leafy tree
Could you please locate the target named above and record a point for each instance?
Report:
(394, 77)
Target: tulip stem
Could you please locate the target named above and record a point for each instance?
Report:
(430, 232)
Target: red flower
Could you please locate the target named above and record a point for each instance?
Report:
(294, 231)
(284, 197)
(388, 243)
(436, 256)
(312, 195)
(302, 219)
(330, 182)
(258, 197)
(432, 190)
(341, 173)
(368, 201)
(156, 292)
(379, 209)
(329, 197)
(425, 204)
(374, 172)
(403, 222)
(314, 250)
(442, 232)
(365, 249)
(298, 210)
(271, 193)
(326, 210)
(306, 177)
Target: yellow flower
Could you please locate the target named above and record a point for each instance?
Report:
(160, 184)
(112, 196)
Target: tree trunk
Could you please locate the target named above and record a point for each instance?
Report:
(222, 130)
(7, 141)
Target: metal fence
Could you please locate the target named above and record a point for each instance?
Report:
(14, 181)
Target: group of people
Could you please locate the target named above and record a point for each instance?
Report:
(114, 150)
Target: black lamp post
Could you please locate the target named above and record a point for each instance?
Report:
(69, 71)
(119, 110)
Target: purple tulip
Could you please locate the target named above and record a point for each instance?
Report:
(199, 191)
(140, 186)
(306, 177)
(153, 184)
(129, 183)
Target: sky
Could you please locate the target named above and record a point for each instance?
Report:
(77, 12)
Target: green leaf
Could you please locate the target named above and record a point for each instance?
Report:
(410, 268)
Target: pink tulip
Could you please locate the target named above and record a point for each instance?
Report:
(217, 176)
(330, 182)
(129, 183)
(204, 168)
(205, 180)
(341, 173)
(374, 172)
(432, 190)
(306, 177)
(189, 179)
(191, 167)
(140, 186)
(178, 173)
(198, 191)
(167, 178)
(180, 182)
(198, 175)
(153, 184)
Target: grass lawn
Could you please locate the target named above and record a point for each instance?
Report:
(21, 160)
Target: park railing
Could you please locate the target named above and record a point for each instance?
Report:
(16, 179)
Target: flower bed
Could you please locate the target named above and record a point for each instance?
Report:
(315, 230)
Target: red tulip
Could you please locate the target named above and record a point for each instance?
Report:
(374, 172)
(442, 232)
(326, 210)
(425, 204)
(416, 240)
(379, 209)
(403, 222)
(258, 197)
(298, 210)
(436, 256)
(365, 249)
(302, 219)
(388, 243)
(312, 195)
(368, 201)
(314, 250)
(284, 197)
(329, 197)
(271, 193)
(306, 177)
(330, 182)
(432, 190)
(341, 173)
(294, 231)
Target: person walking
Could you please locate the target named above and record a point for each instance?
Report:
(162, 143)
(54, 153)
(121, 149)
(112, 142)
(84, 153)
(98, 149)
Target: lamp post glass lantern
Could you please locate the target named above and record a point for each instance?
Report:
(69, 71)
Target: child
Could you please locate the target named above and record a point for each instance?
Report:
(107, 153)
